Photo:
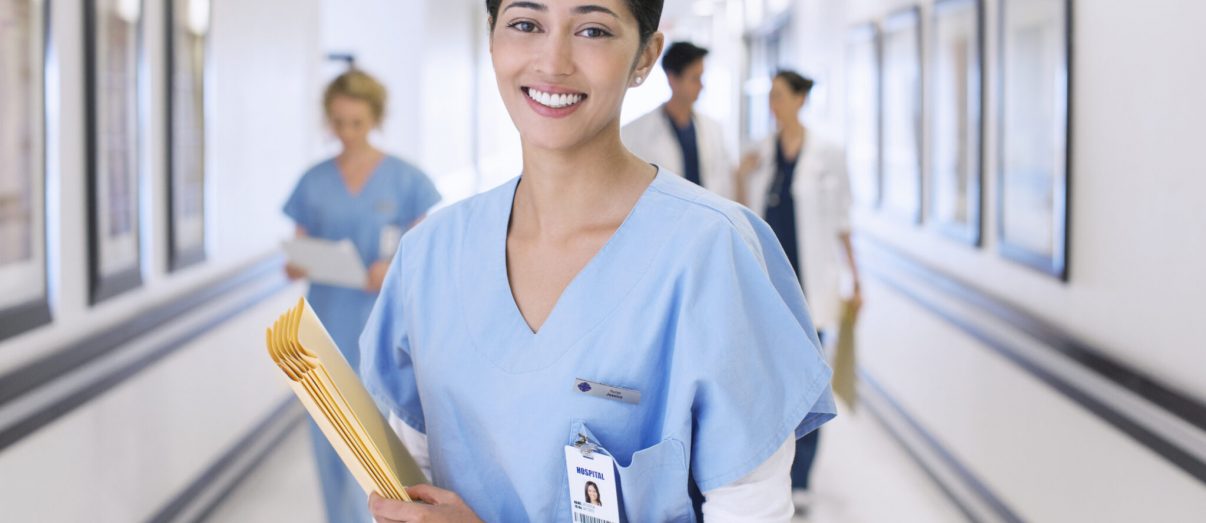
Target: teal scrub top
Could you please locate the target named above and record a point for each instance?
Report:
(396, 193)
(692, 303)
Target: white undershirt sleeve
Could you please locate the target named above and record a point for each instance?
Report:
(762, 496)
(414, 441)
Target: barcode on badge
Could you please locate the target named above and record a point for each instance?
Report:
(583, 518)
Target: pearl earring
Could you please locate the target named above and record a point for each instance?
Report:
(639, 79)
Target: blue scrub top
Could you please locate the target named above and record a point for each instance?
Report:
(692, 303)
(781, 207)
(396, 193)
(689, 146)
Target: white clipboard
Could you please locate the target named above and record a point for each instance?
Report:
(328, 262)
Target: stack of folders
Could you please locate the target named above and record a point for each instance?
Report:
(340, 405)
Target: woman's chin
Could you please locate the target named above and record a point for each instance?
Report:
(548, 140)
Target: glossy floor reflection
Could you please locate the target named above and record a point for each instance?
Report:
(863, 476)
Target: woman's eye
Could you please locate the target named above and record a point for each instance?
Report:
(523, 26)
(594, 32)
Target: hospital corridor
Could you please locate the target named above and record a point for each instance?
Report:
(796, 261)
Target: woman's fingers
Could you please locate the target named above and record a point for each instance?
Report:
(432, 494)
(294, 272)
(391, 511)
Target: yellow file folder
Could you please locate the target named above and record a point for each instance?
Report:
(340, 405)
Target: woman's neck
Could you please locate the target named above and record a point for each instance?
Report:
(792, 130)
(592, 184)
(357, 152)
(679, 111)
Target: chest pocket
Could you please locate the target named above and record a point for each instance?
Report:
(386, 211)
(653, 483)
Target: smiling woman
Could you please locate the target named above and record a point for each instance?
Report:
(593, 317)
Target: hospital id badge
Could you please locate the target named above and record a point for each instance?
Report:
(592, 484)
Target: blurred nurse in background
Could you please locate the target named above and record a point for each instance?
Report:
(370, 198)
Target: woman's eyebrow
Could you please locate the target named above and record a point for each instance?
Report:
(593, 8)
(581, 10)
(527, 5)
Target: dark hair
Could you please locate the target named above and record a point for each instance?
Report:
(680, 56)
(798, 83)
(586, 492)
(648, 14)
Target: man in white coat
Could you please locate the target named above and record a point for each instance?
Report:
(675, 137)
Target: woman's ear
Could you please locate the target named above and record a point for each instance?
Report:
(647, 58)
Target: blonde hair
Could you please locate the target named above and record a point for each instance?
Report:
(358, 85)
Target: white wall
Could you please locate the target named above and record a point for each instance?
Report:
(1136, 228)
(123, 454)
(447, 79)
(261, 139)
(382, 34)
(1136, 213)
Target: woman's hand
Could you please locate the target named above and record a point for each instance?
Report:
(376, 275)
(438, 505)
(856, 297)
(293, 272)
(749, 162)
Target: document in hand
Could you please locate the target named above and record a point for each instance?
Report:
(328, 262)
(340, 405)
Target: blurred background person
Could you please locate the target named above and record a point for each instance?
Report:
(675, 137)
(797, 181)
(370, 198)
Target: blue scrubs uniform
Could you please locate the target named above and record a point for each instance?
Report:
(692, 303)
(397, 194)
(690, 148)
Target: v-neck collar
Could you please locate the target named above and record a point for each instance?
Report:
(493, 318)
(343, 183)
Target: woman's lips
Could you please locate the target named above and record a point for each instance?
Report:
(553, 102)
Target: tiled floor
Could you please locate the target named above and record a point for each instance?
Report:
(862, 476)
(285, 488)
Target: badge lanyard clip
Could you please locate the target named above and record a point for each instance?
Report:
(585, 446)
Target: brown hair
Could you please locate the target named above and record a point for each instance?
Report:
(358, 85)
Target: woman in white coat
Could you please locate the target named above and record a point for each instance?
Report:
(798, 183)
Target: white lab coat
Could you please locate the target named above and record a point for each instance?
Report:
(652, 139)
(821, 192)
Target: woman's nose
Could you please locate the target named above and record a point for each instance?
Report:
(556, 56)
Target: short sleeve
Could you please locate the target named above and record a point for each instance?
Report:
(421, 195)
(752, 358)
(385, 363)
(297, 206)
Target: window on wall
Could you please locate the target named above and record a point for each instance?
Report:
(767, 51)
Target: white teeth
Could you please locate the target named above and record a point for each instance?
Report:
(556, 101)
